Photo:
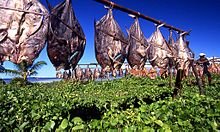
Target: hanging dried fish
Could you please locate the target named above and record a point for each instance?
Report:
(159, 52)
(88, 73)
(96, 73)
(23, 30)
(110, 43)
(185, 60)
(185, 54)
(172, 45)
(138, 46)
(66, 40)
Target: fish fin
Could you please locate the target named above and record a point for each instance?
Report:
(116, 61)
(155, 57)
(3, 35)
(128, 32)
(72, 56)
(117, 56)
(142, 60)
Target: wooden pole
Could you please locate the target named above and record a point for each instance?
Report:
(138, 14)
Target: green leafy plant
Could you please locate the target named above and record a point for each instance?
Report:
(127, 104)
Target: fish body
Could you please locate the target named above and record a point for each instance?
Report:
(185, 54)
(110, 43)
(66, 39)
(138, 46)
(22, 34)
(158, 52)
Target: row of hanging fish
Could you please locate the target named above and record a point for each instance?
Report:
(112, 47)
(85, 74)
(23, 34)
(25, 25)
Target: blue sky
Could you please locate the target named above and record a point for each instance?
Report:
(202, 16)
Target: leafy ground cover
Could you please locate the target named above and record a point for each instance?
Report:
(127, 104)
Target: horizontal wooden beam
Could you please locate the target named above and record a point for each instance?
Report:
(139, 15)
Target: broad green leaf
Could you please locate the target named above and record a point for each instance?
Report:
(64, 124)
(112, 130)
(21, 127)
(79, 127)
(114, 122)
(147, 129)
(143, 108)
(159, 122)
(49, 125)
(77, 120)
(12, 108)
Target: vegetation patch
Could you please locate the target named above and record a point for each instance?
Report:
(127, 104)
